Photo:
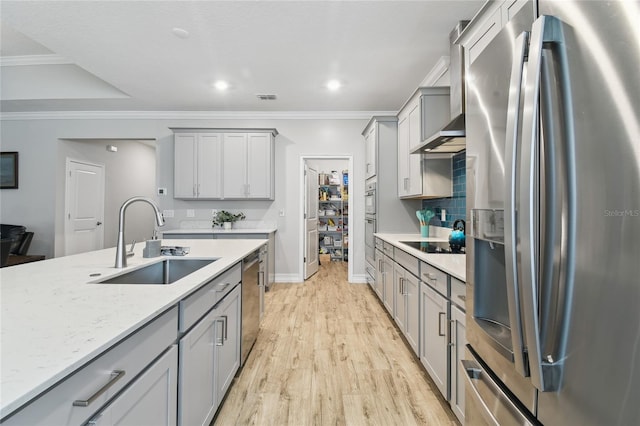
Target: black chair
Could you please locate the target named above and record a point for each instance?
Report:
(18, 236)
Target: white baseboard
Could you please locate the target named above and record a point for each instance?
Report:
(359, 279)
(287, 278)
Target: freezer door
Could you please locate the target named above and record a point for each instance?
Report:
(589, 320)
(493, 317)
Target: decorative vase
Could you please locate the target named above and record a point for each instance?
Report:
(227, 226)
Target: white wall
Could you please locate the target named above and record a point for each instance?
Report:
(131, 171)
(38, 204)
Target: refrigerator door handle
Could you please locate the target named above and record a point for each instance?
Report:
(520, 53)
(545, 308)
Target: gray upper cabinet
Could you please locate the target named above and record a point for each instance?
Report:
(380, 140)
(197, 165)
(427, 111)
(493, 16)
(224, 164)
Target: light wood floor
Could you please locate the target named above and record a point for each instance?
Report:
(328, 354)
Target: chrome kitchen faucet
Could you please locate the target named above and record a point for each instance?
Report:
(121, 255)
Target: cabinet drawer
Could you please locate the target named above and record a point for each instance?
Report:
(131, 356)
(434, 277)
(407, 261)
(379, 243)
(387, 249)
(458, 293)
(195, 306)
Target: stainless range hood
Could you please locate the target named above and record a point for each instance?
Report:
(451, 138)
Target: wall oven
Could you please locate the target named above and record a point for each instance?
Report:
(370, 224)
(370, 199)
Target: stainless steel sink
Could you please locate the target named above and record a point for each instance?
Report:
(166, 271)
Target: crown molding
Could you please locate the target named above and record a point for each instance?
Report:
(26, 60)
(192, 115)
(438, 70)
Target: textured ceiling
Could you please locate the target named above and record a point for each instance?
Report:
(381, 50)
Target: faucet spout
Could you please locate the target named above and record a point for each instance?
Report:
(121, 252)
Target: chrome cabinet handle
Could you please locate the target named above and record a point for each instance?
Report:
(431, 276)
(115, 376)
(223, 335)
(222, 287)
(440, 323)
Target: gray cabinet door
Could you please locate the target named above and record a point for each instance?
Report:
(412, 297)
(435, 339)
(228, 349)
(234, 181)
(387, 271)
(399, 307)
(458, 342)
(151, 400)
(198, 391)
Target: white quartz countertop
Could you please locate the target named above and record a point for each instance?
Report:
(54, 320)
(220, 231)
(453, 264)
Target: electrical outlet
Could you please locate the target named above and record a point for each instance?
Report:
(167, 213)
(191, 213)
(443, 215)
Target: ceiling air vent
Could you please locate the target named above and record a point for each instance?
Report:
(266, 97)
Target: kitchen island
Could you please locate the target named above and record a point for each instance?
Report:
(55, 319)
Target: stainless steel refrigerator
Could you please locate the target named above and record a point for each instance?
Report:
(553, 201)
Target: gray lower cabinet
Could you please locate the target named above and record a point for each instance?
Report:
(123, 368)
(458, 342)
(434, 351)
(387, 273)
(379, 284)
(150, 400)
(407, 303)
(209, 359)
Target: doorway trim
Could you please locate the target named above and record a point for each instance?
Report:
(301, 233)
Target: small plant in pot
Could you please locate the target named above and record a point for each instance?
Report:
(226, 219)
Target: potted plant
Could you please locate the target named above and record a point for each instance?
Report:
(225, 218)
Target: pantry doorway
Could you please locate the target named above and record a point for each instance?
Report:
(330, 235)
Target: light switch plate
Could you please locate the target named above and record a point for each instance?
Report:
(191, 213)
(167, 213)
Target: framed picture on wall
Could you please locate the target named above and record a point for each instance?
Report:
(8, 170)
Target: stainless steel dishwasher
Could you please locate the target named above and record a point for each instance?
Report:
(251, 301)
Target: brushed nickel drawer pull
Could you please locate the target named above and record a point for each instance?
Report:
(115, 376)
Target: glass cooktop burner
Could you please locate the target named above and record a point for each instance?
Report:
(433, 247)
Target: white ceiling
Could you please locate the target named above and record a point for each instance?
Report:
(123, 56)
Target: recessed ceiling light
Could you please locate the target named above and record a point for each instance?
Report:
(333, 85)
(180, 33)
(221, 85)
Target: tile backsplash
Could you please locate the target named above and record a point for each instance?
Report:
(455, 206)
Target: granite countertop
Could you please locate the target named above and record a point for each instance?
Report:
(453, 264)
(53, 320)
(220, 231)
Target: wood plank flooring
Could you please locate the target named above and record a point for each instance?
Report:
(328, 354)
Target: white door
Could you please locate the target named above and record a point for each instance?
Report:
(84, 208)
(311, 221)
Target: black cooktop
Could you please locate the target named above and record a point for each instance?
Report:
(433, 247)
